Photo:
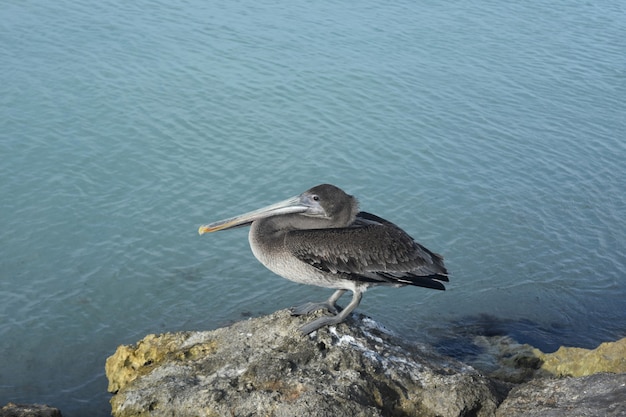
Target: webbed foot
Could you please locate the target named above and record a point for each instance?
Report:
(321, 322)
(337, 318)
(330, 305)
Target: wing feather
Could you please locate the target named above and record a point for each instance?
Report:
(371, 250)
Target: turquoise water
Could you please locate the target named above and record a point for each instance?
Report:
(493, 133)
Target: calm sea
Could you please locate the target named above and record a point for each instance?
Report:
(493, 132)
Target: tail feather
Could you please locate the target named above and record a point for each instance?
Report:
(426, 281)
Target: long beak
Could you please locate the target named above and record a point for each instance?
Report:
(292, 205)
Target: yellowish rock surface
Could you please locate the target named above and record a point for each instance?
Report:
(131, 361)
(572, 361)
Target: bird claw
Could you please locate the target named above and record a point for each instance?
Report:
(311, 307)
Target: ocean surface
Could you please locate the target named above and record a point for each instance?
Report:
(492, 132)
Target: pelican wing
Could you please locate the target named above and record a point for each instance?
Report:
(370, 250)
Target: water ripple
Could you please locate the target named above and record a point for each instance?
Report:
(492, 134)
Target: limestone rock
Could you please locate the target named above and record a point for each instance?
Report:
(599, 395)
(29, 410)
(264, 366)
(572, 361)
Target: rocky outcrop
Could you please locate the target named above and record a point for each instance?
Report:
(590, 381)
(265, 366)
(599, 395)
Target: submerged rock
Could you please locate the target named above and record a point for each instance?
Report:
(504, 359)
(265, 366)
(29, 410)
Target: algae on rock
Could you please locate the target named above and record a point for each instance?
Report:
(131, 362)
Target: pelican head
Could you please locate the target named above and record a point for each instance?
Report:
(329, 205)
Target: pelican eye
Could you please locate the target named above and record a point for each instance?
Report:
(316, 198)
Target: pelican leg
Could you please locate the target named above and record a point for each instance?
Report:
(330, 305)
(337, 318)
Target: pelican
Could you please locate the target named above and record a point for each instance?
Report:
(321, 238)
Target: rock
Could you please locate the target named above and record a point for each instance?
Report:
(503, 358)
(30, 410)
(599, 395)
(265, 366)
(572, 361)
